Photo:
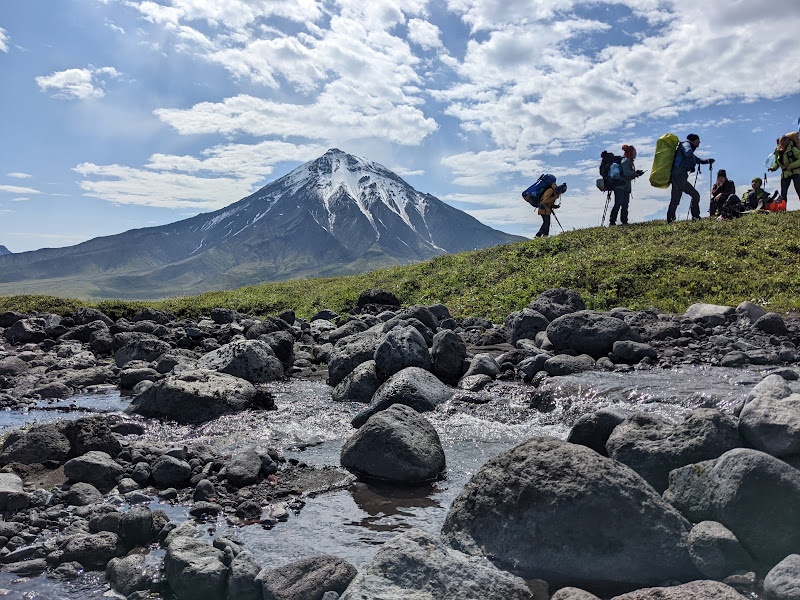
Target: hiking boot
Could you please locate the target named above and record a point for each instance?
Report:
(695, 219)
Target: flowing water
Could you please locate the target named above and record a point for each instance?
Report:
(353, 523)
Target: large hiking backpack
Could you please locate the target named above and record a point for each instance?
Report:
(537, 189)
(608, 162)
(666, 146)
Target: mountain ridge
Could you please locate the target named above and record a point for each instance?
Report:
(336, 215)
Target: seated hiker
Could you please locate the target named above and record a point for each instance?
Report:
(756, 197)
(546, 206)
(731, 207)
(720, 191)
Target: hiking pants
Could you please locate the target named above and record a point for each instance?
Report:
(544, 230)
(621, 200)
(681, 186)
(785, 185)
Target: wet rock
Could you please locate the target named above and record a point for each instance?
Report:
(414, 387)
(194, 397)
(92, 550)
(169, 471)
(653, 446)
(251, 360)
(400, 348)
(716, 552)
(783, 580)
(397, 445)
(136, 527)
(82, 494)
(696, 590)
(565, 364)
(396, 572)
(128, 378)
(524, 324)
(307, 578)
(474, 383)
(242, 581)
(579, 519)
(194, 570)
(771, 422)
(556, 302)
(589, 332)
(95, 467)
(36, 445)
(130, 574)
(12, 495)
(448, 352)
(359, 385)
(593, 429)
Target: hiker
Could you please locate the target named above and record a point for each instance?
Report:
(684, 163)
(547, 205)
(756, 198)
(720, 191)
(622, 191)
(787, 157)
(730, 207)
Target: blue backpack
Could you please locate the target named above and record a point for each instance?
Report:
(537, 189)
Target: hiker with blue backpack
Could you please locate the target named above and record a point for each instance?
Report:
(623, 174)
(683, 163)
(543, 195)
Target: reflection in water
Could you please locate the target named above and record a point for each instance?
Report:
(382, 502)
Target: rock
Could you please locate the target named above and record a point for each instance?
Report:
(573, 593)
(359, 385)
(194, 396)
(82, 494)
(415, 564)
(589, 332)
(95, 467)
(709, 314)
(26, 331)
(397, 445)
(448, 352)
(379, 297)
(414, 387)
(483, 364)
(242, 581)
(771, 424)
(169, 471)
(307, 578)
(91, 433)
(193, 569)
(772, 324)
(593, 429)
(783, 580)
(128, 378)
(749, 312)
(243, 468)
(565, 364)
(563, 513)
(13, 365)
(130, 574)
(12, 495)
(92, 550)
(136, 527)
(633, 352)
(402, 347)
(524, 324)
(556, 302)
(696, 590)
(653, 447)
(755, 495)
(350, 352)
(251, 360)
(145, 349)
(716, 552)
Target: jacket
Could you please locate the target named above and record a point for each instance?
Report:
(685, 161)
(788, 161)
(726, 188)
(626, 174)
(549, 198)
(752, 198)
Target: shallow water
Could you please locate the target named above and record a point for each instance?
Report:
(353, 523)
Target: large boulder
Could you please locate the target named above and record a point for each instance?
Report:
(653, 446)
(40, 444)
(416, 564)
(589, 332)
(770, 420)
(308, 578)
(397, 445)
(145, 349)
(695, 590)
(448, 352)
(400, 348)
(92, 550)
(94, 467)
(194, 570)
(414, 387)
(753, 494)
(710, 314)
(194, 396)
(359, 385)
(524, 324)
(593, 429)
(716, 552)
(561, 512)
(783, 580)
(251, 360)
(12, 494)
(351, 351)
(557, 302)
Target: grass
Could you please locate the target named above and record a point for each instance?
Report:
(755, 258)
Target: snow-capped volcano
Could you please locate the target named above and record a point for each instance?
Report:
(336, 215)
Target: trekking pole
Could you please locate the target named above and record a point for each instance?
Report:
(605, 210)
(557, 221)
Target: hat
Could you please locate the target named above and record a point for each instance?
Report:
(692, 137)
(562, 188)
(758, 179)
(722, 173)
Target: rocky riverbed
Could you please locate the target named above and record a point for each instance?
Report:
(592, 477)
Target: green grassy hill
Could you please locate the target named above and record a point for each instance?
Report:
(755, 258)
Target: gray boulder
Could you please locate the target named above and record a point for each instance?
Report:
(563, 513)
(716, 552)
(448, 352)
(566, 364)
(351, 351)
(783, 580)
(414, 387)
(12, 495)
(308, 578)
(772, 324)
(145, 349)
(92, 550)
(633, 352)
(194, 396)
(13, 365)
(243, 581)
(416, 564)
(770, 421)
(95, 467)
(695, 590)
(397, 445)
(524, 324)
(556, 302)
(129, 574)
(753, 494)
(26, 331)
(709, 314)
(589, 332)
(400, 348)
(653, 446)
(170, 471)
(243, 468)
(194, 570)
(593, 429)
(573, 593)
(359, 385)
(82, 494)
(483, 364)
(251, 360)
(749, 312)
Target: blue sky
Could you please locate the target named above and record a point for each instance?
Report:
(121, 114)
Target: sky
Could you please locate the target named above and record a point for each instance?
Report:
(122, 114)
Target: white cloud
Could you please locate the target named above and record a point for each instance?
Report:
(77, 84)
(231, 13)
(15, 189)
(19, 175)
(4, 40)
(424, 34)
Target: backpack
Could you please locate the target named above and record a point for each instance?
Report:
(537, 189)
(608, 162)
(660, 174)
(732, 208)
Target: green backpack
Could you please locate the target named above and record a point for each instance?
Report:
(662, 160)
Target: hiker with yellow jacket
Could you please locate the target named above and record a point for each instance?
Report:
(787, 157)
(546, 206)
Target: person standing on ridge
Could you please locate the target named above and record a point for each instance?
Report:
(787, 156)
(622, 191)
(723, 188)
(546, 206)
(684, 163)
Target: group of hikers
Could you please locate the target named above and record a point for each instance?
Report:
(672, 164)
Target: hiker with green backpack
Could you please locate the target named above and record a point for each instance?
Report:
(683, 163)
(787, 157)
